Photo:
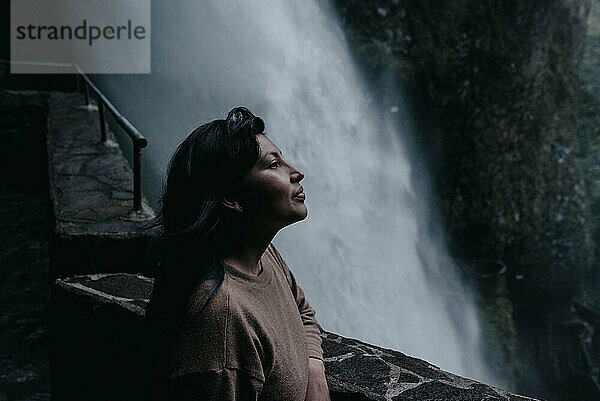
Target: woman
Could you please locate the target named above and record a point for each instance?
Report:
(227, 318)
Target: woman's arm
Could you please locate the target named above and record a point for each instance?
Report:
(311, 325)
(224, 384)
(317, 383)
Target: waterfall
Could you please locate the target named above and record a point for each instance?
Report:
(363, 256)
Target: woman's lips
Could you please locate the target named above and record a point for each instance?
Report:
(300, 196)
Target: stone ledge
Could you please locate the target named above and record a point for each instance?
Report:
(95, 229)
(383, 374)
(23, 98)
(355, 370)
(129, 291)
(91, 183)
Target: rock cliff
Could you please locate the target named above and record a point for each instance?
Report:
(500, 82)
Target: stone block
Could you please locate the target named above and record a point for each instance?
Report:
(92, 254)
(97, 337)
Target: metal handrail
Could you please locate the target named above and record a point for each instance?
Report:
(138, 141)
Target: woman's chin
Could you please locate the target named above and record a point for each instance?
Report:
(301, 214)
(305, 212)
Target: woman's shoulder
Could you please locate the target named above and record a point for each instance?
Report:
(273, 253)
(211, 293)
(280, 266)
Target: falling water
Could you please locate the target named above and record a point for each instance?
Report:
(363, 255)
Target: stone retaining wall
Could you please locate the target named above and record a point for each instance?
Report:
(102, 335)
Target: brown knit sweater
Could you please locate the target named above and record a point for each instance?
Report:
(251, 342)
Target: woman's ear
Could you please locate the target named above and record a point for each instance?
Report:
(232, 205)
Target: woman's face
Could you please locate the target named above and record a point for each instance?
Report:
(271, 191)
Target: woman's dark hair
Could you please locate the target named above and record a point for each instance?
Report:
(196, 230)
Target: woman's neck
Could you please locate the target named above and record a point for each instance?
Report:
(247, 255)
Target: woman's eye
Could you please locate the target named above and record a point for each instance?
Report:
(274, 164)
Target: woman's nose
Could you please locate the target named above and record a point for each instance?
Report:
(296, 175)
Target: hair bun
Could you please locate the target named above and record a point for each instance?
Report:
(257, 124)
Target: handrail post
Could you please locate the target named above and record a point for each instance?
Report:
(102, 121)
(137, 139)
(86, 94)
(82, 87)
(80, 83)
(137, 176)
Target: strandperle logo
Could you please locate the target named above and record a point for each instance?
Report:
(100, 36)
(84, 31)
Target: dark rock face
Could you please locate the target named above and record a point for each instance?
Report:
(500, 79)
(100, 338)
(588, 123)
